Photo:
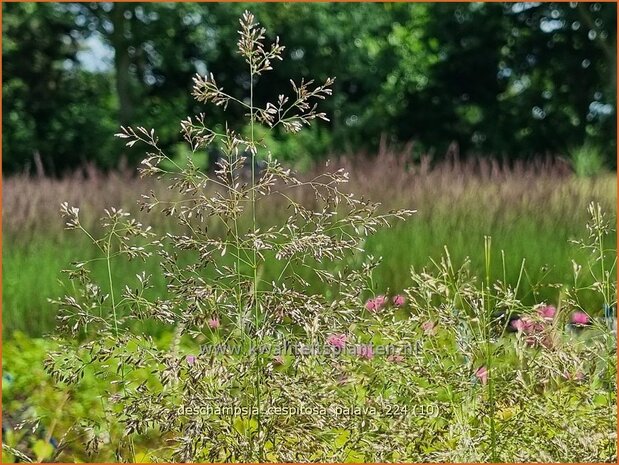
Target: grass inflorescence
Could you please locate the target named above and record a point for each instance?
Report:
(264, 316)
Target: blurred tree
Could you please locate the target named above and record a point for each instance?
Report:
(50, 106)
(157, 48)
(518, 79)
(461, 86)
(562, 75)
(373, 50)
(513, 80)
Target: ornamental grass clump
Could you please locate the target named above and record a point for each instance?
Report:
(454, 368)
(216, 294)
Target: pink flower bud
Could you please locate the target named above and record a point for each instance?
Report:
(380, 300)
(337, 340)
(547, 312)
(580, 318)
(365, 352)
(482, 374)
(428, 328)
(395, 358)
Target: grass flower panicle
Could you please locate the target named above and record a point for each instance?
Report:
(487, 387)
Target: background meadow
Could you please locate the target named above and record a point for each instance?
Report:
(531, 210)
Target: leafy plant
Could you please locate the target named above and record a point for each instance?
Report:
(456, 368)
(237, 308)
(587, 160)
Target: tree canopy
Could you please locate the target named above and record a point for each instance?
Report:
(511, 80)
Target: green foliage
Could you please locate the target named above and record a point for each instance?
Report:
(425, 406)
(300, 151)
(499, 79)
(453, 385)
(52, 109)
(56, 420)
(587, 161)
(542, 240)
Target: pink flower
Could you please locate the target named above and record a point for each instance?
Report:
(527, 325)
(213, 323)
(375, 304)
(547, 312)
(380, 300)
(191, 359)
(365, 351)
(395, 358)
(428, 328)
(371, 305)
(576, 376)
(533, 331)
(399, 300)
(518, 324)
(482, 374)
(337, 340)
(580, 318)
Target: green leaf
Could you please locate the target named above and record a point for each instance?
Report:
(43, 450)
(354, 457)
(342, 438)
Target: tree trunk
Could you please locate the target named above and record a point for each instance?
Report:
(122, 61)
